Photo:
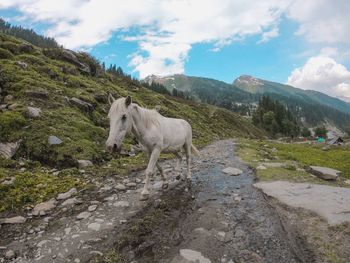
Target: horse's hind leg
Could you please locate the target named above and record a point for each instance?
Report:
(178, 167)
(164, 179)
(188, 160)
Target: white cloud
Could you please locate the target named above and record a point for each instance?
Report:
(322, 21)
(165, 29)
(324, 74)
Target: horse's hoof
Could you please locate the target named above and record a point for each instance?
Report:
(177, 177)
(165, 185)
(144, 197)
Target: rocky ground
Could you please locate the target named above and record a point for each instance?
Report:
(218, 217)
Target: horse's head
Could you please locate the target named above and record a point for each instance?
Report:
(120, 122)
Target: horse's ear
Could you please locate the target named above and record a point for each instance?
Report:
(111, 99)
(127, 101)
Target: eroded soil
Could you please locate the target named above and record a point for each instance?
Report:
(215, 218)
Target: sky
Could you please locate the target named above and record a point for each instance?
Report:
(304, 43)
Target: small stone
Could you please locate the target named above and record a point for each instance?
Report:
(261, 167)
(347, 181)
(42, 242)
(232, 171)
(92, 208)
(84, 163)
(238, 199)
(9, 181)
(22, 64)
(83, 215)
(94, 226)
(67, 195)
(122, 221)
(13, 220)
(70, 201)
(324, 172)
(131, 184)
(121, 204)
(120, 187)
(8, 150)
(33, 112)
(53, 140)
(8, 98)
(43, 208)
(10, 254)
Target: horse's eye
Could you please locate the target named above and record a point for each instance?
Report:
(124, 117)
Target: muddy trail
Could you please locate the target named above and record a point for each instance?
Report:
(215, 218)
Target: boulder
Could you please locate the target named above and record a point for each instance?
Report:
(324, 172)
(69, 56)
(38, 94)
(33, 112)
(53, 140)
(22, 64)
(66, 195)
(8, 181)
(8, 150)
(83, 105)
(13, 220)
(232, 171)
(43, 208)
(84, 163)
(26, 48)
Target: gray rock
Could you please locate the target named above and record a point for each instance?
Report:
(329, 202)
(8, 98)
(92, 208)
(10, 254)
(273, 165)
(83, 215)
(53, 140)
(121, 204)
(66, 195)
(324, 172)
(190, 256)
(22, 64)
(13, 220)
(41, 94)
(26, 48)
(9, 149)
(70, 201)
(84, 163)
(131, 184)
(94, 226)
(261, 167)
(33, 112)
(43, 208)
(232, 171)
(9, 181)
(83, 105)
(120, 187)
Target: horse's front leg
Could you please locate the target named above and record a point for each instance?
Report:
(149, 171)
(164, 179)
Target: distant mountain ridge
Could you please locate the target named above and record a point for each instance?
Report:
(310, 106)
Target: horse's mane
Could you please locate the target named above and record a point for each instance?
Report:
(147, 116)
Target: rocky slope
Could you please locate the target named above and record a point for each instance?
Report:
(53, 122)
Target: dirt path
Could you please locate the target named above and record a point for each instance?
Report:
(218, 218)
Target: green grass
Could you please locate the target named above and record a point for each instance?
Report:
(295, 157)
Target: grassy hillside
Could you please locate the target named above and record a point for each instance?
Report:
(71, 91)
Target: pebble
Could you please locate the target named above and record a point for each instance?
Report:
(10, 254)
(13, 220)
(120, 187)
(94, 226)
(92, 208)
(67, 195)
(121, 204)
(83, 215)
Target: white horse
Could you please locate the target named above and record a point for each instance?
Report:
(155, 132)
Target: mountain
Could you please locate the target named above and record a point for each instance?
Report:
(312, 107)
(259, 86)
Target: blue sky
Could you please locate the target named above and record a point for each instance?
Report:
(303, 43)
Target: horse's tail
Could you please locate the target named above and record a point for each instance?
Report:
(194, 150)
